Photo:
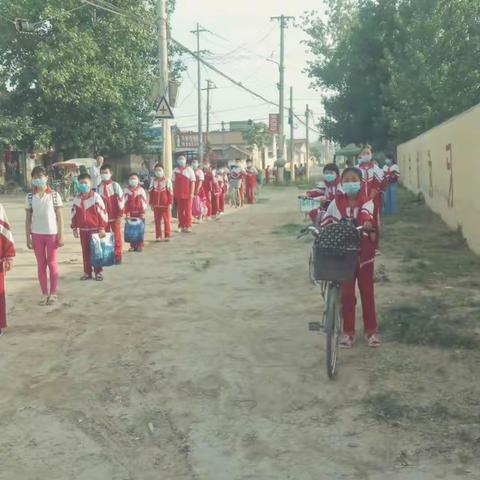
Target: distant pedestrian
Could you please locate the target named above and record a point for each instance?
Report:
(44, 231)
(89, 216)
(251, 181)
(112, 195)
(183, 190)
(161, 199)
(7, 253)
(135, 206)
(94, 172)
(392, 175)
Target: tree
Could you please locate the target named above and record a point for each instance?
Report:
(257, 134)
(86, 76)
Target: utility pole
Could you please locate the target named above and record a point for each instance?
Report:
(307, 139)
(163, 77)
(210, 86)
(197, 32)
(292, 145)
(283, 25)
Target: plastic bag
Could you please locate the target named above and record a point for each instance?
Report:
(102, 250)
(134, 230)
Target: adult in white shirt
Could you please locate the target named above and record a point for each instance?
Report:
(95, 172)
(44, 231)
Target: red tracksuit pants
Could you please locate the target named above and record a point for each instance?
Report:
(85, 243)
(162, 214)
(364, 277)
(250, 192)
(116, 229)
(221, 202)
(184, 208)
(215, 202)
(3, 301)
(208, 203)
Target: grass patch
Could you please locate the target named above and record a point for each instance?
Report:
(288, 229)
(429, 321)
(429, 250)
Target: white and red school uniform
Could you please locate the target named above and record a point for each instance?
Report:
(391, 173)
(135, 206)
(89, 216)
(7, 252)
(250, 183)
(183, 189)
(161, 198)
(208, 189)
(112, 195)
(373, 186)
(223, 184)
(330, 192)
(361, 212)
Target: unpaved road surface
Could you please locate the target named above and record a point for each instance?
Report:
(193, 361)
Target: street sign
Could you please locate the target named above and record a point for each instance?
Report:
(163, 110)
(273, 123)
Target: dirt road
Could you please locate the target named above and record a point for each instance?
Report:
(193, 361)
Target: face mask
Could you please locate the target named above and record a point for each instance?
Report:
(106, 176)
(133, 182)
(365, 158)
(330, 177)
(182, 162)
(389, 163)
(195, 165)
(351, 188)
(39, 182)
(84, 187)
(159, 173)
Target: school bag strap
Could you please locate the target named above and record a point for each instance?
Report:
(30, 200)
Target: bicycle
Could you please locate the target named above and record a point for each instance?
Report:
(331, 264)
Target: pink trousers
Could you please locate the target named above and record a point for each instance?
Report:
(45, 248)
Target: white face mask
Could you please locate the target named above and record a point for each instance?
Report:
(195, 165)
(106, 176)
(133, 182)
(159, 172)
(365, 158)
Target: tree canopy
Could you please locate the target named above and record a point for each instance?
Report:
(83, 80)
(392, 69)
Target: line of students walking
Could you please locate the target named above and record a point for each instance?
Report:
(101, 205)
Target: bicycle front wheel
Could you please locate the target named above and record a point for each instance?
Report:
(333, 327)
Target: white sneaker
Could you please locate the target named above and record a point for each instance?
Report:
(187, 230)
(179, 230)
(52, 300)
(43, 300)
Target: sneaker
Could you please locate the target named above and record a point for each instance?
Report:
(187, 230)
(43, 300)
(139, 249)
(158, 240)
(52, 300)
(373, 340)
(86, 277)
(347, 341)
(2, 332)
(99, 277)
(179, 230)
(167, 239)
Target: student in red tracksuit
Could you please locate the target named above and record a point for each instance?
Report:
(250, 181)
(89, 216)
(216, 191)
(199, 193)
(243, 182)
(352, 204)
(208, 188)
(112, 195)
(135, 205)
(331, 179)
(161, 199)
(372, 184)
(7, 253)
(183, 190)
(223, 183)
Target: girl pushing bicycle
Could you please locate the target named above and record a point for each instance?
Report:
(352, 204)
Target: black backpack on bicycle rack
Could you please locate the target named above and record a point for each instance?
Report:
(335, 252)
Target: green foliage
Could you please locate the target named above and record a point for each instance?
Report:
(393, 69)
(257, 134)
(84, 78)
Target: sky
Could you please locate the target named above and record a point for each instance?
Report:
(242, 38)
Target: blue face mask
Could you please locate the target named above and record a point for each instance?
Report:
(84, 187)
(330, 177)
(133, 182)
(351, 188)
(39, 182)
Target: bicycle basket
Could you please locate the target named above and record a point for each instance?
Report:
(335, 253)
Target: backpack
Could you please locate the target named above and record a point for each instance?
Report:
(55, 199)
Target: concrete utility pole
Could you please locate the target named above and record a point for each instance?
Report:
(197, 32)
(292, 139)
(163, 76)
(307, 138)
(210, 86)
(283, 25)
